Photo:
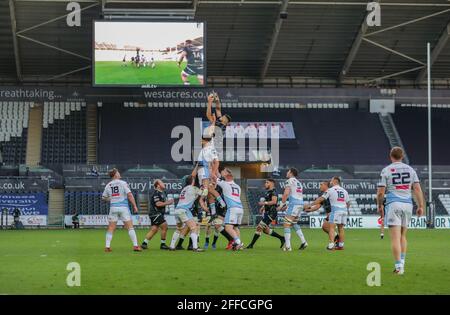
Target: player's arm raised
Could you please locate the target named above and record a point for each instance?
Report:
(419, 198)
(218, 106)
(209, 113)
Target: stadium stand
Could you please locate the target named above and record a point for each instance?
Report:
(317, 141)
(64, 135)
(13, 131)
(445, 201)
(412, 125)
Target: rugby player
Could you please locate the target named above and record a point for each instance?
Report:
(340, 203)
(398, 181)
(217, 221)
(324, 186)
(158, 203)
(269, 210)
(183, 213)
(118, 194)
(208, 167)
(194, 57)
(293, 191)
(217, 118)
(235, 211)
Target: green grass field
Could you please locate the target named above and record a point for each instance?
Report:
(164, 73)
(34, 262)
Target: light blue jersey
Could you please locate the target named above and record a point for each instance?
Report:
(187, 197)
(231, 193)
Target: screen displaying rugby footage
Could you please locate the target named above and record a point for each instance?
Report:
(149, 54)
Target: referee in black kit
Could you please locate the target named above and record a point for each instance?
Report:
(158, 203)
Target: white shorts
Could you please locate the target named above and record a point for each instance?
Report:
(294, 210)
(203, 173)
(234, 216)
(338, 217)
(119, 213)
(398, 213)
(183, 215)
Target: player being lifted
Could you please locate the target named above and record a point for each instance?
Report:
(183, 213)
(194, 57)
(269, 210)
(118, 194)
(396, 183)
(208, 167)
(340, 203)
(235, 211)
(158, 203)
(293, 191)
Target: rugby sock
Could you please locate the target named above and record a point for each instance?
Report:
(287, 237)
(163, 241)
(299, 232)
(207, 240)
(398, 264)
(402, 258)
(109, 237)
(216, 237)
(146, 241)
(190, 242)
(180, 242)
(255, 238)
(194, 239)
(133, 237)
(226, 234)
(221, 202)
(212, 207)
(275, 234)
(175, 237)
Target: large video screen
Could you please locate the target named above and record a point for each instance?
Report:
(149, 54)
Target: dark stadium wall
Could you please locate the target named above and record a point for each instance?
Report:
(412, 125)
(143, 135)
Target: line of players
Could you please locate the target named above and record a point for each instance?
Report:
(394, 198)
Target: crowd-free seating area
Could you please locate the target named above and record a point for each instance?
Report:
(13, 131)
(322, 137)
(412, 125)
(64, 133)
(444, 199)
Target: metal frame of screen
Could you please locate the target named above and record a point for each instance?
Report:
(94, 84)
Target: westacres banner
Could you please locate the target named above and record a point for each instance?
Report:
(295, 95)
(33, 207)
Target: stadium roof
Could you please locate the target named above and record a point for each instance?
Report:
(321, 43)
